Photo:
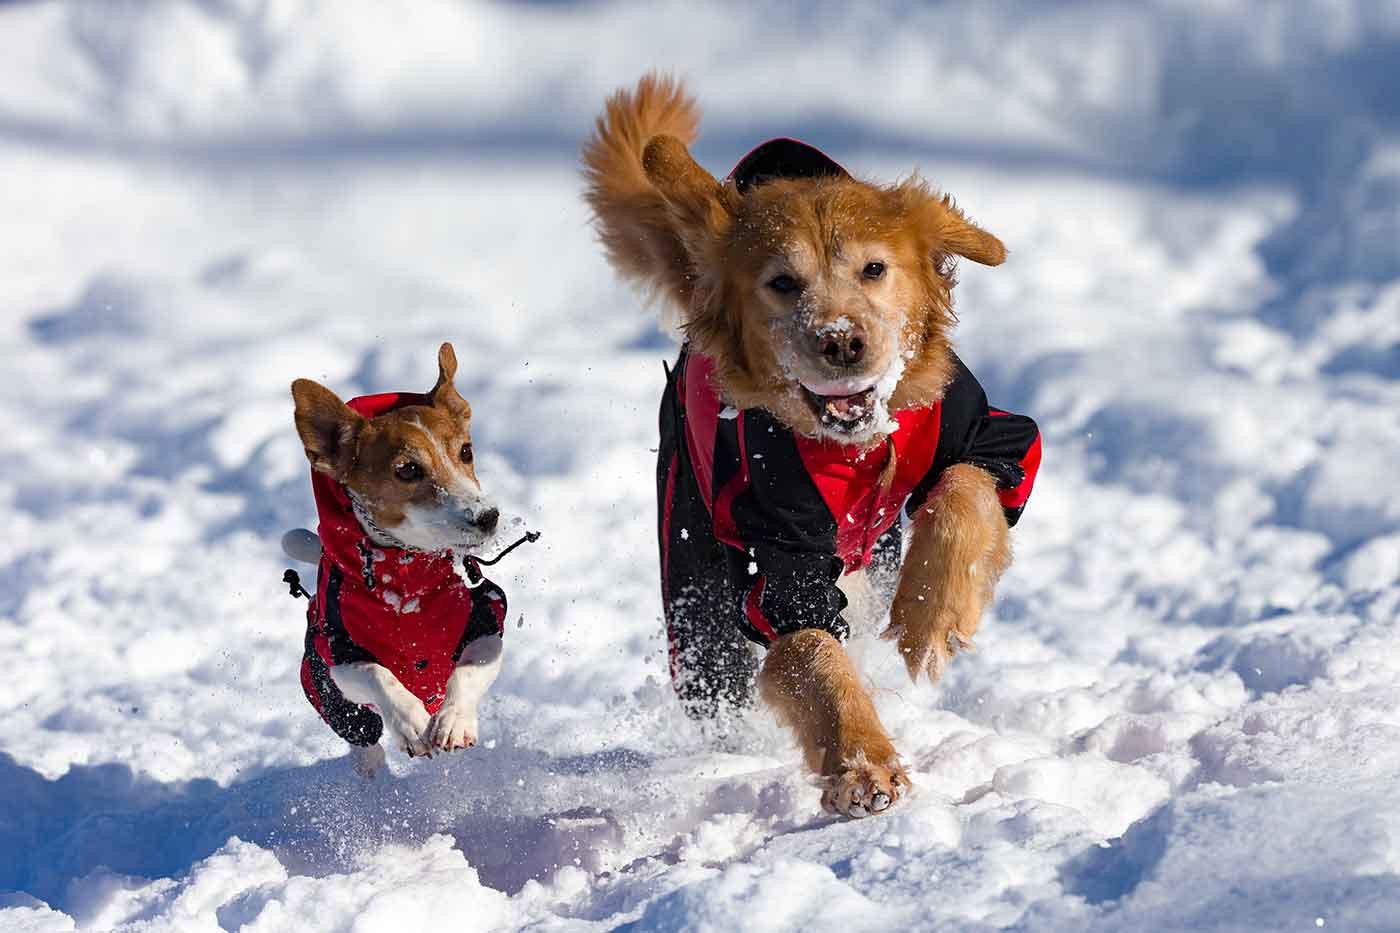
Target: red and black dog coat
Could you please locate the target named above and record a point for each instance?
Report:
(757, 523)
(407, 610)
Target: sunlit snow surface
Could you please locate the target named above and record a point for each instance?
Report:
(1184, 712)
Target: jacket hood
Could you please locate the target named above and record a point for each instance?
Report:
(784, 158)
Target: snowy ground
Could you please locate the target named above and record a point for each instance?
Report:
(1185, 712)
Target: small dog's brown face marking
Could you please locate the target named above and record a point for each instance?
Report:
(412, 469)
(827, 301)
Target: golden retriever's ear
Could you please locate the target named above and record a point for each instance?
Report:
(444, 394)
(697, 201)
(957, 234)
(328, 427)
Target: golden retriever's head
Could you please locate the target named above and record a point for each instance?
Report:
(823, 299)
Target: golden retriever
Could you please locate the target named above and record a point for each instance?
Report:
(817, 379)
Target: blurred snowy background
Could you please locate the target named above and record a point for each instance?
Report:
(1185, 710)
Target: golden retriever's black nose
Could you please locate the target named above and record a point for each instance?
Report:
(843, 348)
(486, 520)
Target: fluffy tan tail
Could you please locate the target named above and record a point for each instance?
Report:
(633, 222)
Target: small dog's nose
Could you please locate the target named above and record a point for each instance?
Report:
(843, 348)
(486, 520)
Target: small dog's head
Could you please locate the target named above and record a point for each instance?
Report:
(410, 470)
(825, 300)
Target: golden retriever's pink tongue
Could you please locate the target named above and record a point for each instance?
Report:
(848, 407)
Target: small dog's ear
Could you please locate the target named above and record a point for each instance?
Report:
(447, 364)
(444, 394)
(962, 237)
(697, 201)
(328, 427)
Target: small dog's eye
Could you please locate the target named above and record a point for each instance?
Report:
(408, 471)
(465, 453)
(783, 284)
(874, 270)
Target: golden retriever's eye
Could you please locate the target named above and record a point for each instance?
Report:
(465, 453)
(874, 270)
(408, 471)
(783, 284)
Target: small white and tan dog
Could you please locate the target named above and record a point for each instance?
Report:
(398, 639)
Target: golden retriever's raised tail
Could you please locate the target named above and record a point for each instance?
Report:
(633, 220)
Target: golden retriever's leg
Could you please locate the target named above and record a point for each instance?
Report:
(808, 679)
(959, 548)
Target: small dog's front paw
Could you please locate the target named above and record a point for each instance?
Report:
(863, 789)
(406, 729)
(453, 727)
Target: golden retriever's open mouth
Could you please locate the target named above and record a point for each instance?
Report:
(844, 414)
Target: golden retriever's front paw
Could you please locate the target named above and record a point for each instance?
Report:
(451, 728)
(927, 642)
(863, 789)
